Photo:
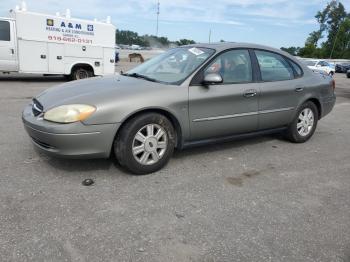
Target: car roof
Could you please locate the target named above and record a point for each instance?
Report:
(230, 45)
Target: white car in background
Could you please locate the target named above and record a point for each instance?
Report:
(320, 66)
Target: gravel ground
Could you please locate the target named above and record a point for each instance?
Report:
(260, 199)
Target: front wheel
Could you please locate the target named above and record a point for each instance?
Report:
(145, 144)
(304, 125)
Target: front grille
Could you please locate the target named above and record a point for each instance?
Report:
(37, 108)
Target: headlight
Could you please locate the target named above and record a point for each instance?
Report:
(69, 113)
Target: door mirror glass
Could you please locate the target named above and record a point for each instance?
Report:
(212, 78)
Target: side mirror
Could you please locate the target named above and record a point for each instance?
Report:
(212, 78)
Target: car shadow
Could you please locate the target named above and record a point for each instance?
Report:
(34, 78)
(111, 164)
(227, 145)
(87, 165)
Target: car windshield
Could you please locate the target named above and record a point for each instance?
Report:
(173, 66)
(310, 63)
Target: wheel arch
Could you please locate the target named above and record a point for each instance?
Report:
(317, 103)
(170, 116)
(85, 65)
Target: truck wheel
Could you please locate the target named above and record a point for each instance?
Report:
(304, 125)
(81, 73)
(145, 143)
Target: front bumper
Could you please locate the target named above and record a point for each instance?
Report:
(74, 140)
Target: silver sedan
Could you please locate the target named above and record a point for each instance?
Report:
(186, 96)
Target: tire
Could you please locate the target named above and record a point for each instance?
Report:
(145, 157)
(295, 132)
(81, 73)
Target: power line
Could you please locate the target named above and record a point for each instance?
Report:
(158, 8)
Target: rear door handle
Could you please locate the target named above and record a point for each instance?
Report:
(250, 93)
(299, 89)
(12, 51)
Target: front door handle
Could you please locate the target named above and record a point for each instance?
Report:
(250, 93)
(12, 51)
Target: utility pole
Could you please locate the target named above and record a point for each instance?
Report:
(158, 7)
(335, 41)
(336, 35)
(209, 35)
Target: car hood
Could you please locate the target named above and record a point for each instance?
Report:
(95, 91)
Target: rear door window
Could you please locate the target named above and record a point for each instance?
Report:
(273, 67)
(297, 69)
(5, 31)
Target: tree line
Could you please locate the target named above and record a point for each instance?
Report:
(126, 37)
(334, 29)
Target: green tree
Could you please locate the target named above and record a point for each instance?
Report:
(291, 50)
(129, 38)
(126, 37)
(185, 42)
(334, 22)
(342, 45)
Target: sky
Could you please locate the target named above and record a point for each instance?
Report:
(275, 23)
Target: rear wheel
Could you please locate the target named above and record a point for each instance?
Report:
(304, 124)
(145, 144)
(81, 73)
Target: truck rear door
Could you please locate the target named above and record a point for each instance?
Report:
(8, 50)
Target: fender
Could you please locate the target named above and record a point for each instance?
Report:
(313, 98)
(180, 128)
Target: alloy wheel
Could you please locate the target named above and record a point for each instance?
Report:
(149, 144)
(305, 122)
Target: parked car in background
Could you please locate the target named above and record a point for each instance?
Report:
(186, 96)
(136, 47)
(348, 74)
(320, 66)
(342, 67)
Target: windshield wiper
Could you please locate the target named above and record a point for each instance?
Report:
(136, 75)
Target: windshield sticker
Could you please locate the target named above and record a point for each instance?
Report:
(196, 51)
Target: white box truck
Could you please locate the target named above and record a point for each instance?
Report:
(56, 45)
